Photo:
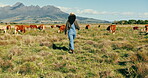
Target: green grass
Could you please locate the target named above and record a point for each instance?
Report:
(99, 54)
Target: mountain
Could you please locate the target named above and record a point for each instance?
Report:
(20, 13)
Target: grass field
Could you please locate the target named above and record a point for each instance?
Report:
(99, 54)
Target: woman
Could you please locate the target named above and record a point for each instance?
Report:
(71, 26)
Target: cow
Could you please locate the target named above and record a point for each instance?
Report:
(58, 26)
(61, 28)
(146, 28)
(27, 26)
(87, 27)
(41, 27)
(33, 26)
(3, 28)
(8, 27)
(99, 26)
(135, 28)
(52, 26)
(19, 28)
(111, 28)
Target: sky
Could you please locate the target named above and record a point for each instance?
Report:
(110, 10)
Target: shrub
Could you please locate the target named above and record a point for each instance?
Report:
(16, 50)
(6, 65)
(28, 68)
(48, 44)
(105, 74)
(139, 56)
(3, 42)
(122, 45)
(135, 71)
(90, 74)
(28, 40)
(143, 56)
(142, 69)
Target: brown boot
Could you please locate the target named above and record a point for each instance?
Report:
(72, 51)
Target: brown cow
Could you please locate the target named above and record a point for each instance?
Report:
(19, 28)
(87, 27)
(146, 28)
(26, 26)
(8, 27)
(33, 27)
(99, 26)
(41, 27)
(61, 28)
(112, 28)
(135, 28)
(52, 26)
(58, 26)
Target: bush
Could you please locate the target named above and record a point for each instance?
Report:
(16, 50)
(123, 45)
(28, 68)
(6, 65)
(135, 71)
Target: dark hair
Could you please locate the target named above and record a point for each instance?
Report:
(71, 19)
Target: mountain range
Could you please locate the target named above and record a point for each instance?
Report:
(19, 13)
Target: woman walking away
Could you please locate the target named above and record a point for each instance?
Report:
(71, 26)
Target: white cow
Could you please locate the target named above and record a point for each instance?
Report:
(3, 28)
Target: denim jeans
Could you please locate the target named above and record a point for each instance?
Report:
(71, 37)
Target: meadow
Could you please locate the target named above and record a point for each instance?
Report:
(98, 53)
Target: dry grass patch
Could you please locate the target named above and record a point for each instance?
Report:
(16, 51)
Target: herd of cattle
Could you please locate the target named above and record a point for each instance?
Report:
(23, 28)
(112, 28)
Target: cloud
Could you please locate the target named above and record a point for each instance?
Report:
(127, 13)
(80, 11)
(93, 12)
(69, 10)
(64, 9)
(145, 13)
(87, 11)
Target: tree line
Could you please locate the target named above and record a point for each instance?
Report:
(131, 22)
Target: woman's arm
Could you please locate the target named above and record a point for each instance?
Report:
(77, 25)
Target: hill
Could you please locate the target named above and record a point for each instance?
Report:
(35, 14)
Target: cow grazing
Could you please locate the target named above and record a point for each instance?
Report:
(8, 27)
(19, 28)
(27, 26)
(33, 27)
(61, 28)
(41, 27)
(58, 26)
(87, 27)
(146, 28)
(99, 26)
(52, 26)
(112, 28)
(135, 28)
(3, 28)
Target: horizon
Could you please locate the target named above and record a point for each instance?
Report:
(119, 10)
